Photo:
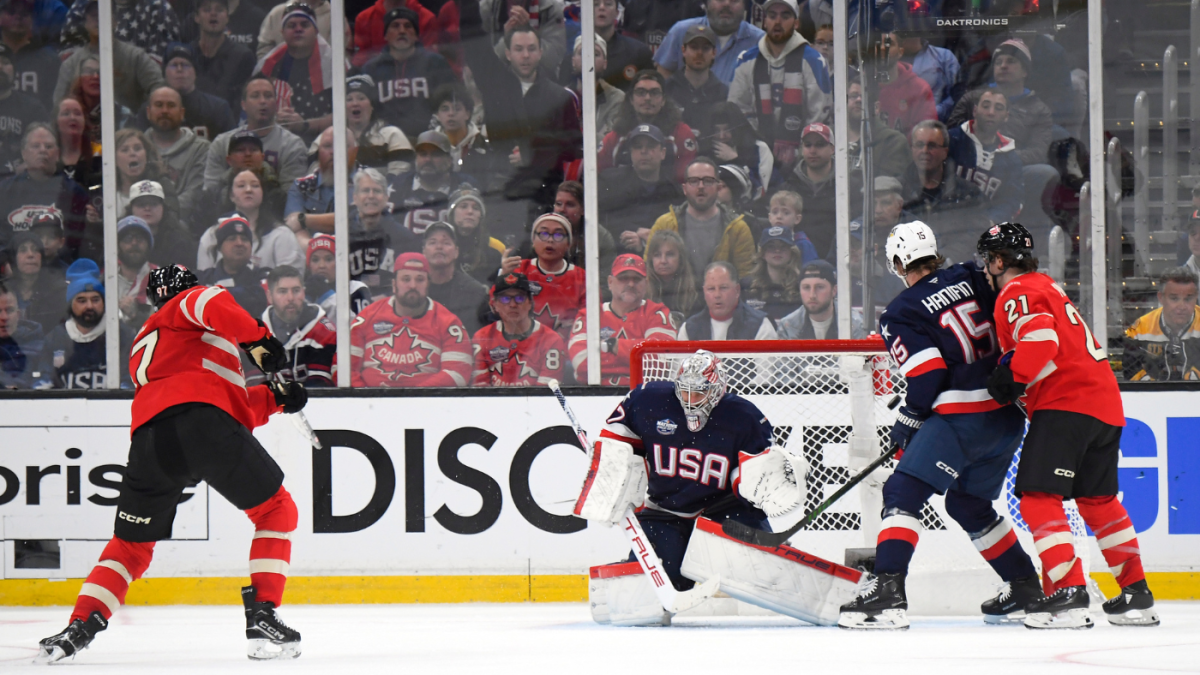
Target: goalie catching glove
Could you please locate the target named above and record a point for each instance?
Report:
(774, 480)
(616, 479)
(268, 354)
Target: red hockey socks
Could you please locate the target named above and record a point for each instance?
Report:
(1052, 536)
(105, 588)
(271, 551)
(1115, 535)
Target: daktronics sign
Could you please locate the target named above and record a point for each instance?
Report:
(972, 23)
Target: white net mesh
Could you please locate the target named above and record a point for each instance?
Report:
(808, 398)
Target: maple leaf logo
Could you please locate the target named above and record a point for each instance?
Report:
(525, 370)
(407, 361)
(546, 316)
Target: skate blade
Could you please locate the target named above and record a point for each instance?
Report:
(1013, 618)
(1072, 619)
(265, 650)
(889, 619)
(48, 656)
(1135, 617)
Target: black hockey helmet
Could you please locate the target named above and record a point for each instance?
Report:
(168, 282)
(1011, 237)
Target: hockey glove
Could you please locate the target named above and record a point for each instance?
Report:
(268, 354)
(291, 395)
(774, 480)
(904, 429)
(1002, 387)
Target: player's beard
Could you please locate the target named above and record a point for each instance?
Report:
(89, 319)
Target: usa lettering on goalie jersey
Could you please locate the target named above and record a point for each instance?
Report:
(507, 362)
(1056, 355)
(688, 471)
(940, 333)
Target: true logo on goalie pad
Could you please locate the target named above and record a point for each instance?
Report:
(641, 551)
(666, 427)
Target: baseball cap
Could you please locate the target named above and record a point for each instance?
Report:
(629, 262)
(441, 226)
(244, 136)
(819, 269)
(363, 84)
(320, 241)
(1193, 220)
(777, 233)
(51, 220)
(702, 32)
(299, 9)
(137, 224)
(179, 51)
(819, 129)
(411, 261)
(402, 13)
(512, 281)
(146, 188)
(600, 42)
(790, 4)
(885, 184)
(1016, 48)
(235, 224)
(434, 138)
(649, 131)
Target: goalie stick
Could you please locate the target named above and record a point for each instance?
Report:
(672, 600)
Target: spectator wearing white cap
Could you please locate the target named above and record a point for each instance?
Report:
(608, 97)
(782, 83)
(172, 242)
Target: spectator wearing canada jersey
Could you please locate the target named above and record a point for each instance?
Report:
(408, 339)
(626, 321)
(406, 74)
(647, 103)
(559, 288)
(517, 350)
(1071, 449)
(306, 333)
(372, 26)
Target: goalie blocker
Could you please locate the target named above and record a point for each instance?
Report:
(782, 579)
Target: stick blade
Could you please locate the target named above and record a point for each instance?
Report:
(689, 599)
(750, 535)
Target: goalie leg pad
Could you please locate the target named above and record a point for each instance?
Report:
(615, 479)
(620, 594)
(782, 579)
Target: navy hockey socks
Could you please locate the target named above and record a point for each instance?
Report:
(903, 497)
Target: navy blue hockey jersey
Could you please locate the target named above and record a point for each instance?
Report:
(941, 333)
(688, 471)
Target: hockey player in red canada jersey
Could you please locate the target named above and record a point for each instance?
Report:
(1055, 367)
(624, 322)
(409, 339)
(559, 288)
(192, 418)
(516, 351)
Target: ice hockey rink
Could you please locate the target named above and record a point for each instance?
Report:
(533, 638)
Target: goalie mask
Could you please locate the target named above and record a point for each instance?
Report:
(167, 282)
(699, 384)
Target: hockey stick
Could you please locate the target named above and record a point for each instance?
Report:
(672, 600)
(751, 535)
(300, 421)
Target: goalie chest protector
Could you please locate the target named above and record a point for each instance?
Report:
(688, 471)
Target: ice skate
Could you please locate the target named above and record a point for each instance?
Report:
(1133, 606)
(270, 637)
(880, 605)
(74, 638)
(1009, 605)
(1065, 608)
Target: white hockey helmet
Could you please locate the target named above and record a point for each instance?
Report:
(700, 373)
(909, 242)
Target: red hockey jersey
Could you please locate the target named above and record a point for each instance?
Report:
(388, 350)
(502, 362)
(651, 321)
(187, 352)
(557, 298)
(1056, 354)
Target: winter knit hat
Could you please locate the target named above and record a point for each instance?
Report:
(465, 193)
(551, 217)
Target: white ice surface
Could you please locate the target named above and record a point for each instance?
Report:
(531, 639)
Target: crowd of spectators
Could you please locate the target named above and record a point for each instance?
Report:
(716, 194)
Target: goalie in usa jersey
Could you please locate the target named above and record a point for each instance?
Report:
(956, 440)
(192, 420)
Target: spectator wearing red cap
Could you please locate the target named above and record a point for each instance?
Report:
(559, 287)
(409, 339)
(624, 322)
(371, 27)
(906, 99)
(813, 180)
(319, 284)
(517, 350)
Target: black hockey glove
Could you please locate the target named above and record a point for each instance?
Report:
(268, 354)
(291, 395)
(1002, 387)
(904, 429)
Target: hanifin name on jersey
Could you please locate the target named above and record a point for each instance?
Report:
(948, 296)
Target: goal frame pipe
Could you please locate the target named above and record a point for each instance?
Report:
(872, 344)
